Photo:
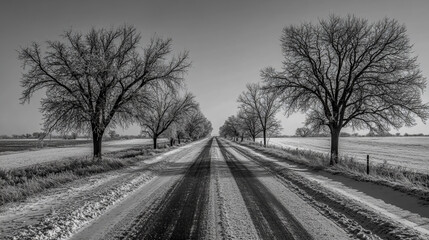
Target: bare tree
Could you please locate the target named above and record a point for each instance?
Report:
(274, 127)
(180, 130)
(196, 125)
(264, 104)
(348, 72)
(250, 122)
(113, 134)
(231, 128)
(206, 128)
(303, 132)
(164, 108)
(92, 80)
(171, 133)
(193, 123)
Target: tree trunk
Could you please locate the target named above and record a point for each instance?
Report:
(254, 138)
(97, 138)
(335, 137)
(265, 137)
(171, 142)
(154, 142)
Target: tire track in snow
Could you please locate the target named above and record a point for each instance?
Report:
(271, 219)
(353, 216)
(118, 221)
(233, 219)
(182, 212)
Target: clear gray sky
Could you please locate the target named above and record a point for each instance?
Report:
(229, 43)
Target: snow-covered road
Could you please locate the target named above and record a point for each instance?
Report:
(210, 189)
(210, 193)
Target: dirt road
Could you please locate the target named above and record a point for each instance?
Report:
(196, 204)
(271, 219)
(209, 189)
(181, 212)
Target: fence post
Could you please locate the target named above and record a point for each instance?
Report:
(367, 164)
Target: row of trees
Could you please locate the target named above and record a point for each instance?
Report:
(348, 72)
(172, 114)
(103, 79)
(256, 115)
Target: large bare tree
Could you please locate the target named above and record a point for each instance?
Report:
(264, 104)
(164, 107)
(345, 71)
(92, 80)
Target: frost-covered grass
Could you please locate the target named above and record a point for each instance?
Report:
(401, 178)
(20, 183)
(409, 152)
(310, 158)
(404, 179)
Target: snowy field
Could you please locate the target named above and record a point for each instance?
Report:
(8, 146)
(20, 159)
(411, 152)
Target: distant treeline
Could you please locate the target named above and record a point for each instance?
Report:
(34, 135)
(344, 134)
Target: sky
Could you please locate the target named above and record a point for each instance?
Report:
(229, 43)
